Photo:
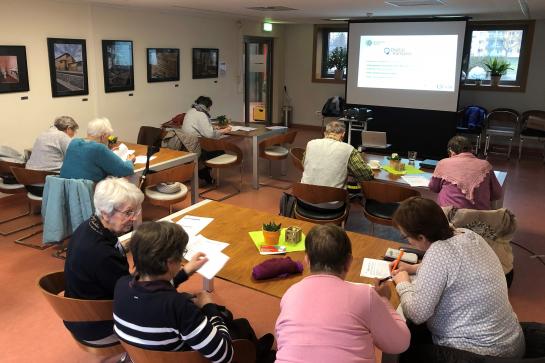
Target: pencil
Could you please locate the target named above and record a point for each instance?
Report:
(396, 262)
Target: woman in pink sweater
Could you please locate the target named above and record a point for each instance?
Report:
(326, 319)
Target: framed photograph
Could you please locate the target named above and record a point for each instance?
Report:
(205, 63)
(118, 65)
(67, 67)
(13, 69)
(163, 64)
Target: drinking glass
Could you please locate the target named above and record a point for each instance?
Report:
(412, 156)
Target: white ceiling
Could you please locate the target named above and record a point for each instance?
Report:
(313, 11)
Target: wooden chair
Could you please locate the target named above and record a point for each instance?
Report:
(315, 194)
(231, 158)
(297, 154)
(529, 133)
(501, 122)
(177, 175)
(149, 135)
(5, 169)
(274, 148)
(76, 310)
(31, 178)
(244, 352)
(382, 200)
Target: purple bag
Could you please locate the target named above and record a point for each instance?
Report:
(276, 267)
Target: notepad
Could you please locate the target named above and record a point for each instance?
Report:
(141, 159)
(375, 269)
(202, 244)
(193, 225)
(216, 261)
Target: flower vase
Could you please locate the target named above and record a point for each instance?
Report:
(338, 75)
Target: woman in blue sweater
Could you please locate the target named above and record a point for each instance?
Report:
(91, 159)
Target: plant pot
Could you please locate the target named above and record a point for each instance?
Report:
(397, 165)
(271, 238)
(338, 75)
(495, 80)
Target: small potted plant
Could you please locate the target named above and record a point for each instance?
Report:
(223, 121)
(271, 232)
(395, 162)
(497, 68)
(338, 59)
(112, 141)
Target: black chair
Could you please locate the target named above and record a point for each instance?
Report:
(501, 122)
(149, 135)
(470, 123)
(528, 130)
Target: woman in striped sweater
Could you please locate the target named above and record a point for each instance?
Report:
(151, 314)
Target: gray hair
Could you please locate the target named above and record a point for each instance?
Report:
(459, 144)
(62, 123)
(99, 126)
(112, 193)
(335, 127)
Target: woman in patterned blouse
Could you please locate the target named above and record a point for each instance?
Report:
(459, 290)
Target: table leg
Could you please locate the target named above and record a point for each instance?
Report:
(195, 183)
(208, 285)
(255, 164)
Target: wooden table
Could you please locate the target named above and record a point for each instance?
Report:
(231, 224)
(260, 133)
(164, 159)
(385, 176)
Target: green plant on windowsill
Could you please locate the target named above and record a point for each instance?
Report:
(496, 67)
(338, 59)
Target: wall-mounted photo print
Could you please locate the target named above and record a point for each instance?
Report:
(118, 64)
(163, 64)
(67, 67)
(205, 63)
(13, 69)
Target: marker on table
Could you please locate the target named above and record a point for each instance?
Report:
(396, 262)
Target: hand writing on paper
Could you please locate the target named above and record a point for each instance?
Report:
(402, 266)
(383, 289)
(195, 263)
(202, 298)
(400, 276)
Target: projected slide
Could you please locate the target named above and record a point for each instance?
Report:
(408, 62)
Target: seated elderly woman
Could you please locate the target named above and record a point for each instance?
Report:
(463, 180)
(459, 290)
(95, 258)
(151, 314)
(50, 147)
(324, 318)
(91, 159)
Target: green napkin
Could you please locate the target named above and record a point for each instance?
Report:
(257, 237)
(409, 169)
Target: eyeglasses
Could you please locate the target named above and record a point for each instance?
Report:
(129, 213)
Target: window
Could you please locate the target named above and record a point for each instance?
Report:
(326, 39)
(510, 41)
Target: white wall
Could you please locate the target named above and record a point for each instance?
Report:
(152, 103)
(309, 97)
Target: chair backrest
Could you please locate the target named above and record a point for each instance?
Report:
(286, 138)
(536, 118)
(472, 117)
(297, 154)
(176, 122)
(318, 194)
(244, 352)
(502, 118)
(149, 135)
(387, 192)
(222, 145)
(180, 173)
(30, 177)
(5, 166)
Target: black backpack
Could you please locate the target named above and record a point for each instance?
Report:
(333, 107)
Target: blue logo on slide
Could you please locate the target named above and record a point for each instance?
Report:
(369, 43)
(386, 51)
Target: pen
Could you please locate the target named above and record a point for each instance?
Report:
(384, 280)
(396, 262)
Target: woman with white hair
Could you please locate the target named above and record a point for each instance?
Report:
(50, 147)
(91, 159)
(95, 258)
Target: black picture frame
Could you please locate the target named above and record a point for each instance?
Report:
(163, 64)
(205, 63)
(13, 69)
(68, 67)
(118, 64)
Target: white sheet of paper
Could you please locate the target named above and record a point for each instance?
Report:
(141, 159)
(123, 151)
(275, 127)
(372, 268)
(193, 225)
(416, 180)
(216, 261)
(200, 243)
(242, 128)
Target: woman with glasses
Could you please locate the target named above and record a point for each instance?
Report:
(459, 291)
(95, 258)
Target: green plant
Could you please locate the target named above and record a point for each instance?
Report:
(338, 59)
(394, 156)
(271, 226)
(112, 140)
(222, 120)
(496, 66)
